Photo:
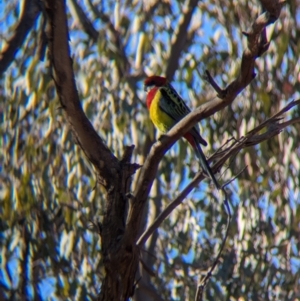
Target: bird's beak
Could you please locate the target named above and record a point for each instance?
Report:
(146, 88)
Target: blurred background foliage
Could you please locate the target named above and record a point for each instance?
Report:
(49, 200)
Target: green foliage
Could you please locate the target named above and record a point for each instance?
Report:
(49, 200)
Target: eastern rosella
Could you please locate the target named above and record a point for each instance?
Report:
(166, 108)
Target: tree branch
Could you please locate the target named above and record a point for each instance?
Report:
(84, 21)
(252, 138)
(181, 37)
(30, 13)
(204, 281)
(255, 48)
(106, 164)
(274, 128)
(273, 7)
(115, 40)
(120, 260)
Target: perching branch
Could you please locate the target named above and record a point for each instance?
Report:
(120, 254)
(252, 138)
(256, 47)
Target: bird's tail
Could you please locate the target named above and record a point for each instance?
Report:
(205, 165)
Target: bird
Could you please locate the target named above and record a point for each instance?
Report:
(167, 108)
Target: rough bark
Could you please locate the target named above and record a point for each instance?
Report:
(119, 235)
(119, 258)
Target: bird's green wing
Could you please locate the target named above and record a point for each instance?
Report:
(174, 106)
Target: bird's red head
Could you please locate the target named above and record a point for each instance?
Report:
(154, 81)
(151, 86)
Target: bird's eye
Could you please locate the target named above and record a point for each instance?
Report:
(148, 87)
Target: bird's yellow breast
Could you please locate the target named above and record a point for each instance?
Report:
(161, 120)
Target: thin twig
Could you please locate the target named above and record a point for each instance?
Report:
(221, 93)
(150, 167)
(236, 176)
(202, 285)
(276, 116)
(243, 142)
(163, 215)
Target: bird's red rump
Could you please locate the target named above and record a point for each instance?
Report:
(155, 80)
(189, 137)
